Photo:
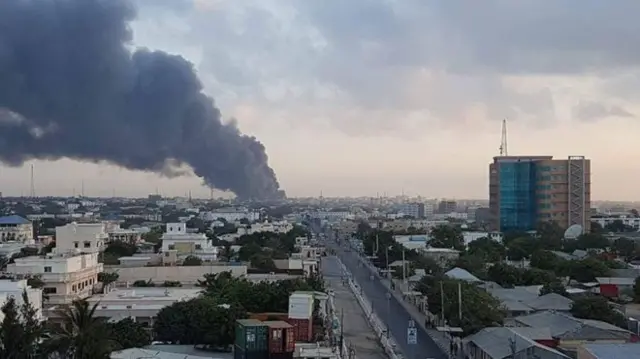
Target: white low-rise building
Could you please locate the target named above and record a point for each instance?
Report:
(231, 215)
(141, 304)
(176, 238)
(16, 228)
(16, 288)
(274, 227)
(67, 276)
(125, 235)
(81, 237)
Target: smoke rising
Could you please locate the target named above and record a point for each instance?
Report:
(70, 87)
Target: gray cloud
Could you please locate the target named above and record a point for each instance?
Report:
(365, 52)
(590, 111)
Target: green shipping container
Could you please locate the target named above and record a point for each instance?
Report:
(252, 335)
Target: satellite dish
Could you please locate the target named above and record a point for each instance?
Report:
(573, 232)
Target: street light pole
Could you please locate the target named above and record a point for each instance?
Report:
(387, 268)
(388, 312)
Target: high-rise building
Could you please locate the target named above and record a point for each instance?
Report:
(526, 190)
(446, 207)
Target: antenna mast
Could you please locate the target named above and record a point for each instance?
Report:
(503, 140)
(32, 191)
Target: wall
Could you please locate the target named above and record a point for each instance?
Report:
(185, 275)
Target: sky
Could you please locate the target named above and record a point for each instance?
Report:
(360, 97)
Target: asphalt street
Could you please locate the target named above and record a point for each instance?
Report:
(357, 331)
(391, 311)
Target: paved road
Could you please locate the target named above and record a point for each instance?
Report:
(392, 311)
(357, 331)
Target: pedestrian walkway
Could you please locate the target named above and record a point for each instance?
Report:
(357, 332)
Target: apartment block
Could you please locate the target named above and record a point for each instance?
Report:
(67, 276)
(16, 228)
(526, 190)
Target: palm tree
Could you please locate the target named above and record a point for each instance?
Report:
(81, 335)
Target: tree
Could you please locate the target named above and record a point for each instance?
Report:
(472, 263)
(625, 247)
(550, 235)
(202, 320)
(554, 287)
(35, 281)
(20, 330)
(585, 270)
(249, 250)
(443, 236)
(120, 249)
(107, 278)
(521, 248)
(127, 333)
(263, 262)
(81, 334)
(597, 308)
(479, 308)
(192, 261)
(505, 275)
(544, 259)
(488, 249)
(592, 241)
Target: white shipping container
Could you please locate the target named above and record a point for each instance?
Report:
(300, 306)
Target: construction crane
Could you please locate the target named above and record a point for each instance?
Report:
(503, 140)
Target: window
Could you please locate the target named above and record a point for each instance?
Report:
(74, 287)
(166, 254)
(49, 290)
(75, 244)
(170, 229)
(277, 334)
(198, 246)
(47, 269)
(87, 244)
(172, 246)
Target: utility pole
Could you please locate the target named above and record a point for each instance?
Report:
(341, 333)
(403, 269)
(460, 302)
(387, 267)
(388, 312)
(442, 301)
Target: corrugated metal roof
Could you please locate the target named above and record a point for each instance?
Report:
(606, 351)
(462, 274)
(13, 220)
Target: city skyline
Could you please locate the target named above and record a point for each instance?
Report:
(353, 109)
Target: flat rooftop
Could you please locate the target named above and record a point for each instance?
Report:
(147, 294)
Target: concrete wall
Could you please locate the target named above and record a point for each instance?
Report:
(185, 275)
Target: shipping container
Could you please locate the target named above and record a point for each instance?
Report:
(238, 353)
(279, 332)
(269, 316)
(251, 335)
(300, 305)
(302, 329)
(281, 355)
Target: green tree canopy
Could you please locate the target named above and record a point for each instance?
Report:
(127, 333)
(192, 261)
(597, 308)
(445, 236)
(487, 249)
(479, 308)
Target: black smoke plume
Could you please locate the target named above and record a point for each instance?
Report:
(70, 87)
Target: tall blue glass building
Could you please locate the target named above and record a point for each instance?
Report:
(525, 190)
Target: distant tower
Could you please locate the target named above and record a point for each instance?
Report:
(189, 195)
(211, 195)
(82, 190)
(32, 191)
(503, 140)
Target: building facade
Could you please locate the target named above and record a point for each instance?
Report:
(67, 276)
(526, 190)
(178, 240)
(16, 228)
(81, 237)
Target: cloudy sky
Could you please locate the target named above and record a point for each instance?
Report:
(364, 96)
